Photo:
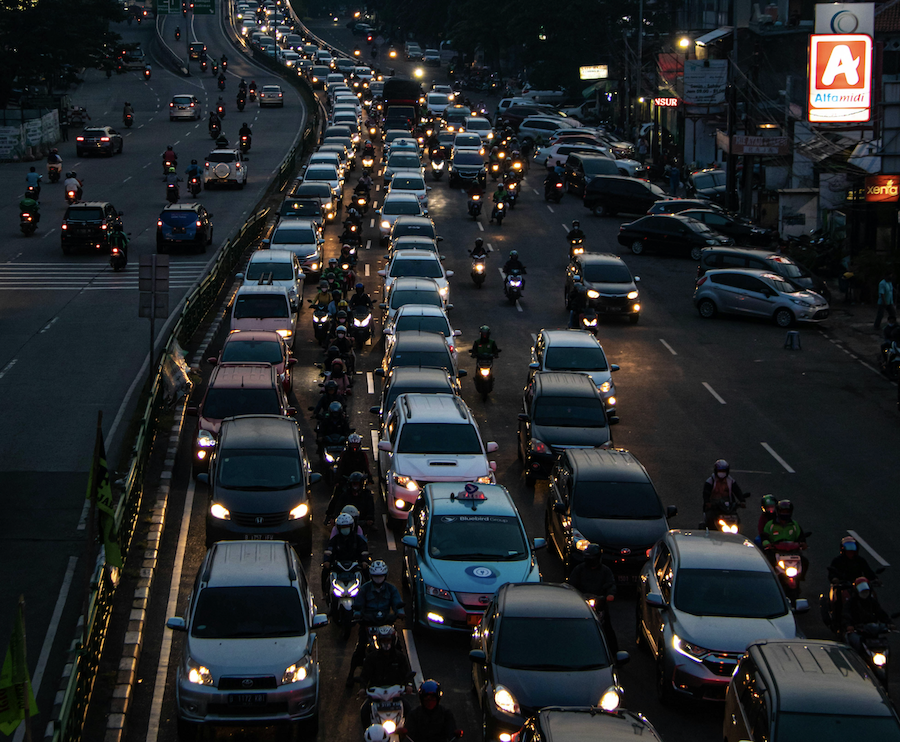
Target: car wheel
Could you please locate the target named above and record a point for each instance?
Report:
(784, 318)
(695, 253)
(635, 318)
(637, 247)
(707, 309)
(663, 684)
(600, 210)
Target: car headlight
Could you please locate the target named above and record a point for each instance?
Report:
(217, 510)
(385, 224)
(485, 480)
(300, 511)
(593, 294)
(436, 592)
(285, 333)
(605, 386)
(691, 651)
(443, 290)
(801, 302)
(505, 701)
(314, 266)
(198, 674)
(408, 482)
(632, 294)
(579, 541)
(296, 672)
(205, 439)
(879, 659)
(611, 698)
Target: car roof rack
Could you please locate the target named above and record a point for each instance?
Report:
(266, 279)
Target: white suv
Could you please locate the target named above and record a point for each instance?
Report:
(282, 266)
(429, 438)
(224, 167)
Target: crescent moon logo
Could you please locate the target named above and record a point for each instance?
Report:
(844, 22)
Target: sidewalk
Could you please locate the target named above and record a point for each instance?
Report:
(851, 326)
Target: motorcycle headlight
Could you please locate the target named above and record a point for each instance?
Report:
(631, 294)
(300, 511)
(691, 651)
(198, 674)
(217, 510)
(296, 672)
(591, 293)
(436, 592)
(879, 659)
(726, 527)
(205, 439)
(505, 701)
(408, 482)
(485, 371)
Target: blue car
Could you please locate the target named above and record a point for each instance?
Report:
(463, 542)
(184, 224)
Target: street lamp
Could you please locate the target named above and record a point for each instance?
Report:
(684, 42)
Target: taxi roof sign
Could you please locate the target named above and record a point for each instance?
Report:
(470, 493)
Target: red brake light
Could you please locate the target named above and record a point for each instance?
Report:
(79, 139)
(159, 222)
(171, 105)
(701, 280)
(104, 139)
(198, 223)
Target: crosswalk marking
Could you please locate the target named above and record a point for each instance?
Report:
(88, 277)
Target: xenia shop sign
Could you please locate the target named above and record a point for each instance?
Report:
(882, 188)
(840, 77)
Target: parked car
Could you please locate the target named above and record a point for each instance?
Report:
(608, 195)
(741, 257)
(707, 184)
(669, 233)
(740, 230)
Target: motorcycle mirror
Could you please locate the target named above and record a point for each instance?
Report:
(457, 333)
(671, 511)
(462, 373)
(801, 606)
(212, 360)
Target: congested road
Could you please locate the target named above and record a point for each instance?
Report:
(70, 339)
(812, 425)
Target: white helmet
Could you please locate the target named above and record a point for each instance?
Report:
(351, 511)
(379, 567)
(377, 733)
(344, 519)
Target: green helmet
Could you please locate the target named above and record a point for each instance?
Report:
(768, 504)
(171, 169)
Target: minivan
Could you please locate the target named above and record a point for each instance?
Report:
(583, 167)
(607, 195)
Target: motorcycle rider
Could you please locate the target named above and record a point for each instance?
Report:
(33, 180)
(332, 423)
(246, 131)
(578, 303)
(430, 722)
(767, 506)
(719, 490)
(862, 607)
(28, 205)
(221, 80)
(118, 238)
(353, 459)
(346, 546)
(376, 604)
(784, 529)
(242, 86)
(386, 666)
(575, 234)
(329, 394)
(252, 89)
(126, 110)
(501, 194)
(593, 577)
(479, 252)
(347, 257)
(336, 294)
(485, 344)
(360, 298)
(337, 373)
(513, 263)
(323, 295)
(53, 158)
(173, 179)
(352, 491)
(344, 343)
(214, 121)
(364, 183)
(72, 183)
(193, 170)
(170, 156)
(844, 570)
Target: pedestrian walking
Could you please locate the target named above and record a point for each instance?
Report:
(643, 149)
(674, 178)
(885, 299)
(64, 124)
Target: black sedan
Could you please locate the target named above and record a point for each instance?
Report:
(539, 645)
(672, 233)
(102, 139)
(708, 184)
(610, 287)
(742, 231)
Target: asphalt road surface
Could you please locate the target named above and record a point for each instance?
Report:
(70, 339)
(811, 425)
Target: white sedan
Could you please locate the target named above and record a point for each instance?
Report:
(396, 205)
(410, 181)
(417, 264)
(424, 318)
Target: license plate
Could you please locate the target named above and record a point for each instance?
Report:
(259, 536)
(627, 578)
(615, 309)
(246, 699)
(473, 619)
(178, 230)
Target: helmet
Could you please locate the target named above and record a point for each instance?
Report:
(378, 569)
(73, 174)
(385, 638)
(335, 407)
(127, 103)
(575, 224)
(376, 733)
(478, 243)
(356, 476)
(170, 147)
(54, 151)
(344, 519)
(785, 507)
(430, 688)
(513, 254)
(337, 362)
(359, 287)
(351, 511)
(355, 439)
(721, 465)
(341, 330)
(769, 503)
(323, 284)
(484, 330)
(245, 125)
(342, 304)
(332, 261)
(593, 553)
(342, 314)
(193, 162)
(863, 587)
(171, 169)
(330, 386)
(848, 543)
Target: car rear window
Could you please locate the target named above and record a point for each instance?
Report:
(178, 218)
(258, 469)
(252, 351)
(422, 358)
(439, 438)
(430, 297)
(392, 207)
(281, 270)
(477, 537)
(436, 325)
(565, 412)
(416, 230)
(729, 592)
(300, 208)
(320, 190)
(416, 268)
(400, 160)
(836, 727)
(293, 236)
(221, 157)
(182, 100)
(396, 390)
(260, 306)
(627, 500)
(85, 215)
(224, 402)
(408, 183)
(248, 613)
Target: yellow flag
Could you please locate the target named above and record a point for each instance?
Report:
(15, 686)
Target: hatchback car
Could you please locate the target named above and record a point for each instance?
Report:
(538, 645)
(278, 267)
(100, 139)
(560, 411)
(756, 293)
(249, 655)
(604, 497)
(406, 290)
(418, 349)
(185, 106)
(669, 233)
(259, 480)
(575, 350)
(429, 438)
(396, 205)
(742, 257)
(466, 167)
(462, 542)
(740, 230)
(422, 318)
(322, 192)
(582, 167)
(260, 346)
(271, 95)
(184, 224)
(708, 184)
(413, 380)
(411, 242)
(417, 264)
(437, 102)
(325, 173)
(303, 237)
(481, 126)
(610, 287)
(468, 140)
(702, 598)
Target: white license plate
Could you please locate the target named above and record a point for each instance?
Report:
(259, 536)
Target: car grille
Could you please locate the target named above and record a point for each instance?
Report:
(258, 520)
(267, 709)
(722, 663)
(821, 314)
(265, 682)
(473, 601)
(612, 300)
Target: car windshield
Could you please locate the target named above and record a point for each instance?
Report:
(728, 592)
(626, 500)
(575, 412)
(396, 207)
(709, 180)
(836, 728)
(221, 157)
(256, 469)
(560, 358)
(615, 273)
(427, 358)
(401, 160)
(248, 613)
(321, 173)
(252, 351)
(787, 268)
(222, 403)
(476, 537)
(260, 306)
(562, 644)
(423, 323)
(467, 158)
(294, 236)
(281, 271)
(408, 183)
(429, 297)
(439, 438)
(416, 268)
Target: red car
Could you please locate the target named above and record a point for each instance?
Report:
(259, 346)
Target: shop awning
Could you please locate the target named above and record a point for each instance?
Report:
(708, 38)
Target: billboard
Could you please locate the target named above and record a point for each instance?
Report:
(882, 188)
(845, 18)
(840, 78)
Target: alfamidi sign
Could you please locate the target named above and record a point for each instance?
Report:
(840, 78)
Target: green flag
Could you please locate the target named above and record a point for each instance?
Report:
(100, 491)
(15, 686)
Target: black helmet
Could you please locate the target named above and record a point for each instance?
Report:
(341, 315)
(193, 162)
(356, 476)
(335, 407)
(127, 103)
(245, 125)
(784, 507)
(593, 554)
(721, 465)
(575, 224)
(478, 243)
(430, 688)
(485, 330)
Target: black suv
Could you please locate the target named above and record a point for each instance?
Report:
(184, 224)
(87, 224)
(607, 195)
(561, 410)
(605, 498)
(611, 289)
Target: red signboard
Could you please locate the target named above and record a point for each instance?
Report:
(840, 77)
(882, 188)
(666, 102)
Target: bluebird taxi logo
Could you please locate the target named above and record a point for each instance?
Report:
(840, 77)
(483, 573)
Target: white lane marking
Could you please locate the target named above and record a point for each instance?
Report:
(777, 458)
(502, 273)
(374, 434)
(176, 143)
(43, 238)
(490, 247)
(519, 306)
(388, 533)
(8, 367)
(48, 325)
(480, 226)
(413, 656)
(371, 223)
(128, 178)
(868, 548)
(565, 227)
(146, 166)
(165, 649)
(713, 392)
(377, 188)
(82, 519)
(368, 244)
(551, 209)
(536, 192)
(668, 347)
(370, 382)
(367, 269)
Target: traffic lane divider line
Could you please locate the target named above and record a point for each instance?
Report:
(413, 656)
(865, 545)
(714, 393)
(388, 533)
(777, 458)
(370, 382)
(668, 347)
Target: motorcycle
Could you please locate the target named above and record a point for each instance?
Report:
(54, 170)
(478, 271)
(253, 95)
(475, 205)
(484, 376)
(194, 185)
(368, 162)
(514, 285)
(330, 447)
(361, 200)
(146, 73)
(725, 517)
(498, 213)
(167, 163)
(588, 321)
(27, 223)
(214, 131)
(361, 325)
(373, 133)
(221, 83)
(875, 648)
(172, 193)
(177, 34)
(128, 120)
(344, 582)
(553, 190)
(386, 705)
(495, 170)
(890, 361)
(224, 64)
(33, 192)
(789, 567)
(245, 143)
(220, 111)
(321, 323)
(241, 103)
(117, 258)
(215, 68)
(73, 196)
(437, 169)
(512, 188)
(203, 65)
(576, 247)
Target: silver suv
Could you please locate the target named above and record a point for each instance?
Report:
(249, 653)
(225, 167)
(757, 293)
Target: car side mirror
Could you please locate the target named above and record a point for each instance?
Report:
(291, 411)
(176, 623)
(539, 543)
(384, 446)
(319, 620)
(379, 372)
(462, 373)
(523, 417)
(614, 367)
(203, 478)
(671, 511)
(375, 410)
(449, 274)
(622, 658)
(655, 600)
(265, 243)
(534, 365)
(802, 606)
(411, 541)
(212, 360)
(382, 305)
(492, 446)
(314, 477)
(637, 279)
(291, 362)
(612, 419)
(477, 655)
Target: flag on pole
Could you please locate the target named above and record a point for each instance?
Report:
(100, 493)
(16, 696)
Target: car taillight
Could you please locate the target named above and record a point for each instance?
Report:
(65, 226)
(192, 105)
(102, 226)
(104, 139)
(79, 139)
(171, 105)
(198, 223)
(701, 281)
(159, 222)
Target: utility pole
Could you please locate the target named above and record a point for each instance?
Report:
(640, 68)
(731, 166)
